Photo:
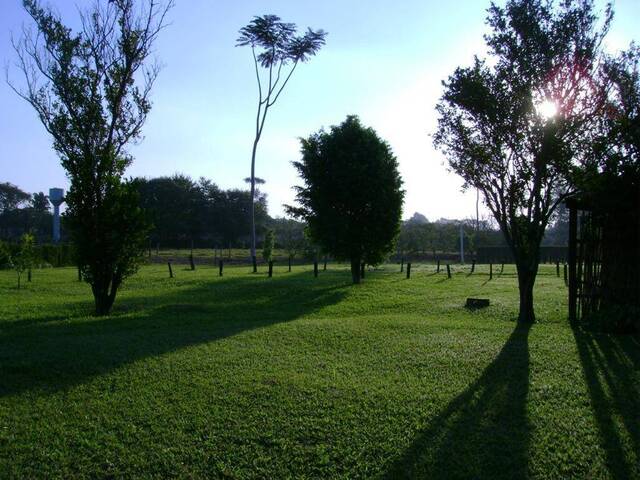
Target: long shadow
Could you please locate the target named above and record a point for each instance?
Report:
(484, 432)
(47, 355)
(611, 364)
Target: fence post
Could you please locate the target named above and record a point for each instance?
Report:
(408, 270)
(170, 270)
(221, 266)
(401, 264)
(438, 267)
(324, 267)
(566, 279)
(193, 265)
(490, 271)
(558, 268)
(473, 266)
(315, 268)
(448, 271)
(502, 268)
(270, 268)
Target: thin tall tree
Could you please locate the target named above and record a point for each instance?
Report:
(278, 50)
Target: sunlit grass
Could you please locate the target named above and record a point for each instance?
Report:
(296, 377)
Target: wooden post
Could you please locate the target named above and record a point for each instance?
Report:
(220, 266)
(170, 270)
(324, 268)
(566, 280)
(408, 270)
(270, 268)
(473, 266)
(438, 267)
(448, 271)
(362, 270)
(402, 265)
(502, 268)
(558, 268)
(193, 265)
(490, 271)
(315, 268)
(254, 262)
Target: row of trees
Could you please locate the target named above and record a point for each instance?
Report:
(21, 212)
(526, 127)
(181, 210)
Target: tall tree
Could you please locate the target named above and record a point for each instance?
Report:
(91, 90)
(514, 127)
(275, 47)
(352, 197)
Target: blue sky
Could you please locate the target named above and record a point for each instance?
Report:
(384, 61)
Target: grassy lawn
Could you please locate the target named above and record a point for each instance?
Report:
(295, 377)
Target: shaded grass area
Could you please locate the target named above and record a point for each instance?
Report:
(295, 377)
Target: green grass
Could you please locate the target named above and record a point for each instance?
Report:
(295, 377)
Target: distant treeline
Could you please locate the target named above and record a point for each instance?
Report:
(184, 212)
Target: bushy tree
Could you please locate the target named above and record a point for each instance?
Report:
(268, 245)
(515, 126)
(352, 194)
(278, 50)
(25, 257)
(91, 90)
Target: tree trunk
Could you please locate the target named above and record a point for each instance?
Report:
(355, 270)
(253, 205)
(104, 298)
(526, 280)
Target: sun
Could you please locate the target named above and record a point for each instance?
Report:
(547, 109)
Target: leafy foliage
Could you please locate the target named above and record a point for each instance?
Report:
(91, 91)
(11, 197)
(352, 197)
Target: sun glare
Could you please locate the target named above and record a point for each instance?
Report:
(547, 109)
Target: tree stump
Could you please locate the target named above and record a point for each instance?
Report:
(474, 303)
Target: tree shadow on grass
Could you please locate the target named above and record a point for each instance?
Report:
(611, 364)
(482, 433)
(46, 355)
